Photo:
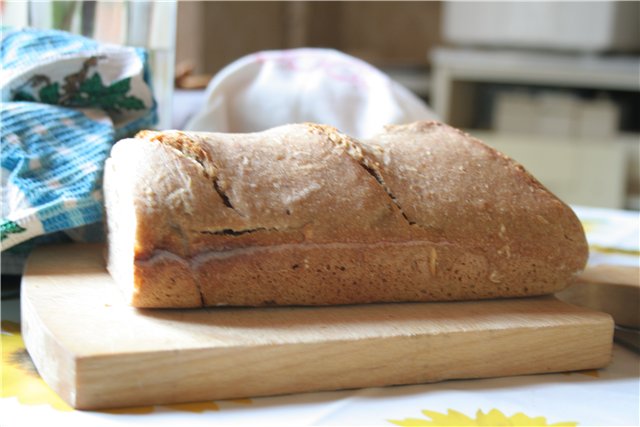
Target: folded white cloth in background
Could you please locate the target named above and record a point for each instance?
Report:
(271, 88)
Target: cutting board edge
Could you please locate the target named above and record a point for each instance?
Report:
(598, 356)
(62, 376)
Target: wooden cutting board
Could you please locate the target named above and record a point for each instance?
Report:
(97, 352)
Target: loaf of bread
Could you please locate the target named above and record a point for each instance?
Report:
(304, 215)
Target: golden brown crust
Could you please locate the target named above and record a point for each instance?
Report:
(302, 214)
(165, 283)
(469, 194)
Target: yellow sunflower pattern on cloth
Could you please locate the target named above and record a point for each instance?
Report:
(20, 379)
(492, 418)
(19, 376)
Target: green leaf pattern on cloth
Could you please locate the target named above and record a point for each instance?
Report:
(10, 227)
(81, 90)
(49, 94)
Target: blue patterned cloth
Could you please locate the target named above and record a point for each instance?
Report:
(65, 100)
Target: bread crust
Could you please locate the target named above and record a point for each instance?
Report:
(304, 215)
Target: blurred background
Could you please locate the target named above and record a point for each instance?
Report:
(555, 85)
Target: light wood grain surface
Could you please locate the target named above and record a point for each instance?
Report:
(614, 289)
(97, 352)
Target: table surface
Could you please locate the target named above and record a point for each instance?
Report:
(608, 396)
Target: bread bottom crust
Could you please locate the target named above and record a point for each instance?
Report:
(339, 273)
